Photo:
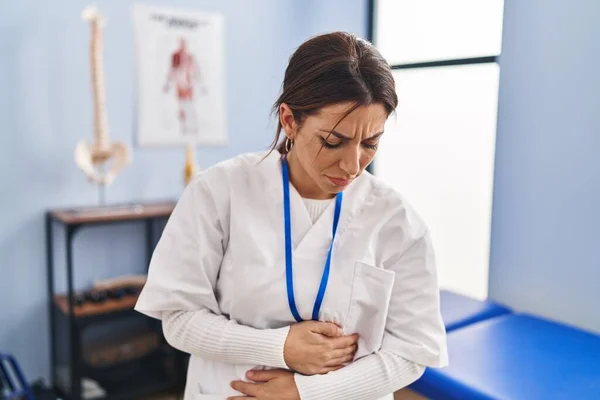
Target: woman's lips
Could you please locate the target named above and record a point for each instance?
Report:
(339, 181)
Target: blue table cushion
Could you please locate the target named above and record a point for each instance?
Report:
(458, 310)
(517, 356)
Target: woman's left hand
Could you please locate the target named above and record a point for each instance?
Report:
(276, 384)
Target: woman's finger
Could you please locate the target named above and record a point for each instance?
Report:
(247, 388)
(339, 353)
(334, 362)
(344, 341)
(264, 375)
(326, 370)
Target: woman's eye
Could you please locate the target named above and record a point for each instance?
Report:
(372, 146)
(329, 145)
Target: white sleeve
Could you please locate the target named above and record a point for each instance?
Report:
(211, 336)
(182, 276)
(371, 377)
(414, 328)
(414, 336)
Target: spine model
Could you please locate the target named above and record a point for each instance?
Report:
(93, 157)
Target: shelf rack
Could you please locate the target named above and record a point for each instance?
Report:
(160, 367)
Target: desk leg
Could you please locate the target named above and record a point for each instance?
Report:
(50, 283)
(74, 354)
(149, 240)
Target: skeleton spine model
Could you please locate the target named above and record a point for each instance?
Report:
(92, 158)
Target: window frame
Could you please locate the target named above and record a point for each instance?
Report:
(371, 37)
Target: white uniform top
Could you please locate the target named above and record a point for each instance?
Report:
(222, 251)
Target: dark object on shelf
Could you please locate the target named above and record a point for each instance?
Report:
(90, 308)
(116, 293)
(10, 388)
(95, 296)
(120, 367)
(100, 301)
(131, 290)
(79, 300)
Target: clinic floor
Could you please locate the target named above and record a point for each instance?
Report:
(406, 394)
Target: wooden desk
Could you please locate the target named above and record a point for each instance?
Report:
(119, 212)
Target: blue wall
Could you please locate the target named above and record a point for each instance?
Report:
(545, 253)
(45, 109)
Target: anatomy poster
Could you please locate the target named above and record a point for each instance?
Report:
(180, 75)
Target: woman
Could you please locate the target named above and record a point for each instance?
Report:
(293, 274)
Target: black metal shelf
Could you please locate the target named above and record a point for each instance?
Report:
(161, 370)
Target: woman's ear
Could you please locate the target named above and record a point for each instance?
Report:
(288, 122)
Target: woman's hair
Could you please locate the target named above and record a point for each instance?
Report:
(334, 68)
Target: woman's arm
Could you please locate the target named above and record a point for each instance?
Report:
(374, 376)
(309, 347)
(182, 276)
(180, 291)
(211, 336)
(414, 338)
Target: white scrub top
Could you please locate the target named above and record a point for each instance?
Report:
(223, 250)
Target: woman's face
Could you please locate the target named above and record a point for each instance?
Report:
(324, 160)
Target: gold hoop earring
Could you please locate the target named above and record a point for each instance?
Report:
(289, 143)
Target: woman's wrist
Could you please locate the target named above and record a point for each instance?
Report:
(257, 346)
(272, 343)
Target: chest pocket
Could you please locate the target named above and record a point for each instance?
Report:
(370, 296)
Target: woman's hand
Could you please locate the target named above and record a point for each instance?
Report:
(314, 347)
(276, 384)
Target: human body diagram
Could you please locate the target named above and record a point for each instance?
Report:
(184, 75)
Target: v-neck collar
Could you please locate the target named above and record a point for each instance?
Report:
(303, 226)
(306, 236)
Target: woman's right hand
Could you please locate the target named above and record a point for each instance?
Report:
(314, 347)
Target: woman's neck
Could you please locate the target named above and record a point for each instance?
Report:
(304, 184)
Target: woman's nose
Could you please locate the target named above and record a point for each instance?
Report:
(350, 162)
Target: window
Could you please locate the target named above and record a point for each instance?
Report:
(438, 149)
(414, 31)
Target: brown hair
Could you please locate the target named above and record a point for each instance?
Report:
(334, 68)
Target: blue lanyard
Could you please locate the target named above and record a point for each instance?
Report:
(288, 249)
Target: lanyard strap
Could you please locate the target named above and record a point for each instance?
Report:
(288, 249)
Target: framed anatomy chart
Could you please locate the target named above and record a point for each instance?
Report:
(180, 75)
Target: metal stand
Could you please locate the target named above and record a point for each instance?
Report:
(101, 187)
(101, 194)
